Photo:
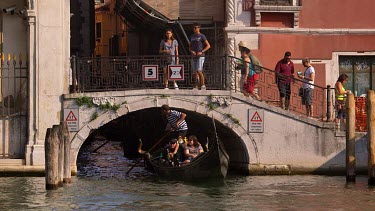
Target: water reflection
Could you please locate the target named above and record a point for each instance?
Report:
(102, 184)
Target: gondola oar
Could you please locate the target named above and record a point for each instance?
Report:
(94, 151)
(213, 121)
(148, 151)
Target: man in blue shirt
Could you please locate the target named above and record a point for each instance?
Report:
(198, 46)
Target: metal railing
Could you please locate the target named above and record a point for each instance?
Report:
(13, 95)
(268, 90)
(125, 73)
(13, 106)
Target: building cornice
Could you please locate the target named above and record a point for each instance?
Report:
(268, 8)
(342, 31)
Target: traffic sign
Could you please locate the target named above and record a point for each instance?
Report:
(71, 116)
(150, 72)
(176, 72)
(255, 121)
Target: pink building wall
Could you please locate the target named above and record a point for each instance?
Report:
(337, 14)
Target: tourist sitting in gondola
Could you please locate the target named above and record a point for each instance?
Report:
(192, 149)
(172, 153)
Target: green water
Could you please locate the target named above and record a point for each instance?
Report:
(103, 185)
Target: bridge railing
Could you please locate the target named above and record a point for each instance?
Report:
(125, 73)
(267, 89)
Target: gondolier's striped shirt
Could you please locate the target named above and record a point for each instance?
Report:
(173, 117)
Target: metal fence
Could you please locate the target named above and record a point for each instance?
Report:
(267, 89)
(124, 73)
(13, 106)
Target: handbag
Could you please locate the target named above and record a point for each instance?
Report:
(300, 92)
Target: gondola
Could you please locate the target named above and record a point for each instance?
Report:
(211, 164)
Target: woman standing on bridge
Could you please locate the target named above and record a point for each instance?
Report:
(169, 48)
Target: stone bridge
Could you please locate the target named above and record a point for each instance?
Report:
(280, 140)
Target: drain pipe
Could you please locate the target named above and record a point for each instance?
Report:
(183, 31)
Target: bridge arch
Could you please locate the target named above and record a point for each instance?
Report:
(240, 145)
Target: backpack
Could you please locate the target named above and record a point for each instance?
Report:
(257, 65)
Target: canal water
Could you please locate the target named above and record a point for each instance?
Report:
(102, 184)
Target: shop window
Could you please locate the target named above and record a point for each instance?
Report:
(361, 72)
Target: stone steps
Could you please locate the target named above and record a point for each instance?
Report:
(12, 162)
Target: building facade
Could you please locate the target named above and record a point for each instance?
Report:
(110, 31)
(337, 35)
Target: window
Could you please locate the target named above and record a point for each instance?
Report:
(361, 72)
(277, 2)
(99, 1)
(98, 28)
(273, 12)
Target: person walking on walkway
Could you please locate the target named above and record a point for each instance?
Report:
(308, 86)
(198, 46)
(169, 48)
(340, 95)
(249, 76)
(284, 73)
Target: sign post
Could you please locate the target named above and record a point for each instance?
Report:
(71, 116)
(255, 121)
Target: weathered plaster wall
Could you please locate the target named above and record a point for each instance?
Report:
(188, 9)
(51, 71)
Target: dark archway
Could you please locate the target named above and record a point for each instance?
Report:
(148, 125)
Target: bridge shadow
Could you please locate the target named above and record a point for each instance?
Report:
(149, 124)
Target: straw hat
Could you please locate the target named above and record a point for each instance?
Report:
(243, 45)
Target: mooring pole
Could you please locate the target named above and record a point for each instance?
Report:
(61, 156)
(51, 147)
(350, 138)
(67, 168)
(371, 136)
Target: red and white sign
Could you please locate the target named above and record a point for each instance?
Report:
(256, 121)
(256, 117)
(176, 72)
(150, 72)
(71, 116)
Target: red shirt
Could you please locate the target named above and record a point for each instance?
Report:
(286, 69)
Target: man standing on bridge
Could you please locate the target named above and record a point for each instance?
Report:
(284, 73)
(198, 46)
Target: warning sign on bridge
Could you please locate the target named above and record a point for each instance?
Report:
(71, 117)
(256, 121)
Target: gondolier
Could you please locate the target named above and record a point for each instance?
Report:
(176, 122)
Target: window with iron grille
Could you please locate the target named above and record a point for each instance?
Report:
(277, 2)
(361, 70)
